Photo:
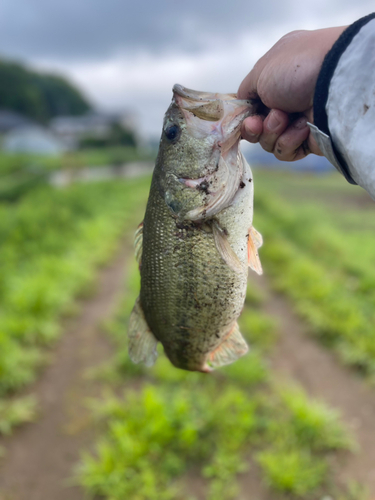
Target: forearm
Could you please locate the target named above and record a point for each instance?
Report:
(344, 104)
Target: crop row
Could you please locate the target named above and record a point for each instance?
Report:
(177, 429)
(51, 242)
(327, 272)
(15, 163)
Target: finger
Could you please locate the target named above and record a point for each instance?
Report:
(273, 126)
(252, 127)
(313, 147)
(290, 144)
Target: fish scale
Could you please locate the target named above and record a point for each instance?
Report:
(180, 302)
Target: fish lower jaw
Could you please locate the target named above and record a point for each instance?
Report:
(205, 369)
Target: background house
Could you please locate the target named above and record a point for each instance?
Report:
(10, 120)
(32, 138)
(95, 129)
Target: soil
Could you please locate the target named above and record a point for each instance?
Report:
(40, 457)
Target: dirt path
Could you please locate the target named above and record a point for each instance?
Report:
(40, 456)
(301, 358)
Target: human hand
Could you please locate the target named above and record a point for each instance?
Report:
(284, 81)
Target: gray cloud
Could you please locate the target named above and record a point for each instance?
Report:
(97, 29)
(127, 54)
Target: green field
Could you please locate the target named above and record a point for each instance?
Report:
(51, 245)
(21, 173)
(18, 162)
(163, 433)
(170, 429)
(320, 252)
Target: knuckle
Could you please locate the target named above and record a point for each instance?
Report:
(267, 146)
(293, 34)
(282, 144)
(283, 153)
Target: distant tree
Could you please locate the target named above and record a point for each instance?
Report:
(60, 96)
(120, 136)
(117, 136)
(36, 95)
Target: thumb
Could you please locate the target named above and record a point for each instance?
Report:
(249, 86)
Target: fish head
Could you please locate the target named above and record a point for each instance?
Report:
(199, 166)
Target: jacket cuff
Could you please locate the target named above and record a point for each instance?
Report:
(326, 147)
(320, 130)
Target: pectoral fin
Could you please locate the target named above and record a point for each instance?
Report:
(142, 343)
(232, 348)
(225, 250)
(255, 241)
(257, 237)
(138, 244)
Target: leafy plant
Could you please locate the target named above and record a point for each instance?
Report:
(326, 271)
(293, 471)
(15, 412)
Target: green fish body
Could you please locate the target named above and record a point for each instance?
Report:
(197, 240)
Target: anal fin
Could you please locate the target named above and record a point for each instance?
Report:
(232, 348)
(255, 241)
(142, 342)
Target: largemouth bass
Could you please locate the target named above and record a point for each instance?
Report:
(196, 241)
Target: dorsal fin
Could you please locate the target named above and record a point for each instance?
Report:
(142, 343)
(138, 244)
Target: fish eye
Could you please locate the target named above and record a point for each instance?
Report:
(173, 132)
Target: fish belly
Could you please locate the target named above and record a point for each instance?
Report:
(191, 299)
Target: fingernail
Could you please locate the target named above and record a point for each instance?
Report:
(273, 121)
(300, 123)
(249, 132)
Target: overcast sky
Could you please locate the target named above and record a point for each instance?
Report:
(127, 55)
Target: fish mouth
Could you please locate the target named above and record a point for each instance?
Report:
(196, 95)
(219, 116)
(210, 106)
